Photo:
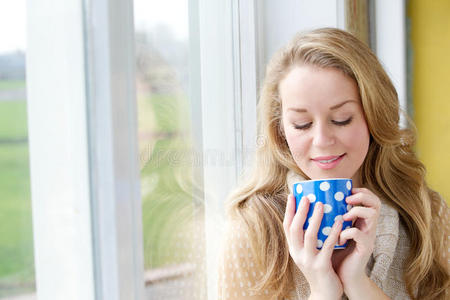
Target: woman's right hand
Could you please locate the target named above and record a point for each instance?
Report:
(315, 264)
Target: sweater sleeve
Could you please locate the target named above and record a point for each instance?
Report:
(238, 272)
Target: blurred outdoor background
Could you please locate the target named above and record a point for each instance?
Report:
(172, 203)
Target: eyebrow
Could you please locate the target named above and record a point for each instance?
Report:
(331, 108)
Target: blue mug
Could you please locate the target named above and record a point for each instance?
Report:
(332, 193)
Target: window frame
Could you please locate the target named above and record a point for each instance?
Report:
(83, 150)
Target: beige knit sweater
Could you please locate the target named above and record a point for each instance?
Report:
(238, 272)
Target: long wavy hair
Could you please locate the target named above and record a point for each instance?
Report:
(390, 169)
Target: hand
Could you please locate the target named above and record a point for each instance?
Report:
(315, 264)
(350, 263)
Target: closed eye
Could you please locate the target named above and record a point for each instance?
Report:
(343, 123)
(338, 123)
(303, 127)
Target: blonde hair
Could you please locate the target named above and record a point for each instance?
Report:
(390, 169)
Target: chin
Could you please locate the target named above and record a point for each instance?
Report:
(325, 175)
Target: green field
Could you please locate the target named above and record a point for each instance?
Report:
(12, 84)
(16, 238)
(13, 120)
(171, 215)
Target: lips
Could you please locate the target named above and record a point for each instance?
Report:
(327, 158)
(328, 162)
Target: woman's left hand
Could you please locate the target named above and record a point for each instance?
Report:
(350, 263)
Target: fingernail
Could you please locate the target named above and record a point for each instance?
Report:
(318, 206)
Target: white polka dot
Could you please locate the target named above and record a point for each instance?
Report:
(347, 227)
(326, 230)
(339, 196)
(319, 243)
(349, 207)
(327, 208)
(349, 185)
(309, 220)
(299, 188)
(324, 186)
(338, 218)
(311, 197)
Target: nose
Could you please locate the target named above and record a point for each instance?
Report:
(323, 136)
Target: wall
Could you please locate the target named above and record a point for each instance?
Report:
(430, 46)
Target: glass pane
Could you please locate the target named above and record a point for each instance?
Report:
(16, 235)
(172, 201)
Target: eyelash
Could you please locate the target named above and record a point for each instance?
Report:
(342, 123)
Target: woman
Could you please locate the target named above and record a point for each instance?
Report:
(328, 110)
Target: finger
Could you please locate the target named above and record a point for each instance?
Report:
(332, 239)
(351, 234)
(296, 228)
(289, 213)
(313, 228)
(362, 196)
(360, 212)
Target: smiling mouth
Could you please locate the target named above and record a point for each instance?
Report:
(328, 159)
(328, 162)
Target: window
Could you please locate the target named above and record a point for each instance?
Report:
(169, 155)
(16, 234)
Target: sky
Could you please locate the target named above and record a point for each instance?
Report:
(12, 25)
(147, 14)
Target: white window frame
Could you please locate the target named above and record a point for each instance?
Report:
(229, 60)
(83, 150)
(390, 34)
(283, 19)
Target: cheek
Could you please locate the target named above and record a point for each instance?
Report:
(358, 139)
(297, 143)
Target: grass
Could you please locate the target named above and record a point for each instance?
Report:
(16, 236)
(13, 120)
(12, 84)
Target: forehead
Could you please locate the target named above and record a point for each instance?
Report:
(309, 86)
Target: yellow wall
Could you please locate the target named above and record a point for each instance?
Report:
(430, 39)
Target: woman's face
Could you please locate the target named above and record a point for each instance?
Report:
(323, 122)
